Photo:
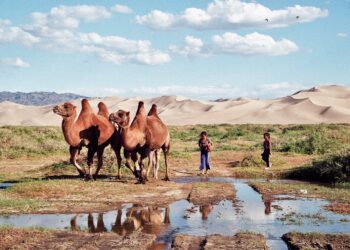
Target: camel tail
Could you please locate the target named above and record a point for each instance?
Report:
(85, 106)
(103, 110)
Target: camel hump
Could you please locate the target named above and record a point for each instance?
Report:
(140, 108)
(85, 106)
(103, 110)
(153, 110)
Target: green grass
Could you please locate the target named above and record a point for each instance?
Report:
(30, 142)
(334, 169)
(34, 142)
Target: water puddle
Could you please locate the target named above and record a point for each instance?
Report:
(4, 185)
(270, 218)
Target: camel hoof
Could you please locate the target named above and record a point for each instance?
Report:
(166, 178)
(89, 178)
(118, 177)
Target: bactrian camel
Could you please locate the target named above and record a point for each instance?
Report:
(146, 135)
(91, 130)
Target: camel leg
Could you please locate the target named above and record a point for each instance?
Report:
(100, 161)
(90, 158)
(166, 149)
(150, 163)
(156, 164)
(167, 215)
(74, 151)
(127, 156)
(144, 154)
(117, 148)
(119, 161)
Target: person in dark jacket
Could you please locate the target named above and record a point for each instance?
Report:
(267, 150)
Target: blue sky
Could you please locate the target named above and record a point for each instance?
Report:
(201, 49)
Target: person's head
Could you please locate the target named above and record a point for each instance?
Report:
(267, 136)
(203, 135)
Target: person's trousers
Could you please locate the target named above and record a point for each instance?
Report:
(266, 157)
(204, 161)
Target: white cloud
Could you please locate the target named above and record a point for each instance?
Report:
(13, 34)
(14, 62)
(252, 44)
(58, 30)
(157, 19)
(123, 9)
(69, 17)
(232, 43)
(232, 14)
(193, 47)
(342, 34)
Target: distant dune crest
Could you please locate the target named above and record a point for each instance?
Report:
(328, 104)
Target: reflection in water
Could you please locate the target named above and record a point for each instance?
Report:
(205, 210)
(267, 202)
(256, 213)
(147, 219)
(151, 220)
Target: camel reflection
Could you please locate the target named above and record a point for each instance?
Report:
(150, 220)
(147, 219)
(205, 210)
(90, 222)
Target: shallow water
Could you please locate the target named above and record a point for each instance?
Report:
(4, 185)
(251, 213)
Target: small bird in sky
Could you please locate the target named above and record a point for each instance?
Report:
(266, 19)
(297, 17)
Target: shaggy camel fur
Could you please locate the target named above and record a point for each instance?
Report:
(90, 130)
(146, 135)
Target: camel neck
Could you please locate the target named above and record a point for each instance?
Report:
(69, 131)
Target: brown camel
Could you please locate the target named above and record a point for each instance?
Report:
(146, 135)
(133, 137)
(158, 137)
(90, 130)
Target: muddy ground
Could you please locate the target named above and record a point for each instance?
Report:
(300, 241)
(339, 197)
(38, 239)
(239, 241)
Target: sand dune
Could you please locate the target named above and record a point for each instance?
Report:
(327, 104)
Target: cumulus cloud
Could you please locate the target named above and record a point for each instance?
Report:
(14, 62)
(193, 47)
(252, 44)
(13, 34)
(232, 14)
(123, 9)
(232, 43)
(70, 16)
(58, 30)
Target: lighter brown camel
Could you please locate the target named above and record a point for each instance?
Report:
(133, 137)
(158, 137)
(90, 130)
(146, 135)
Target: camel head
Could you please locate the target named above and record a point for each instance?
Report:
(121, 117)
(65, 110)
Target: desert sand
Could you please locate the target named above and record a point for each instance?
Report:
(322, 104)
